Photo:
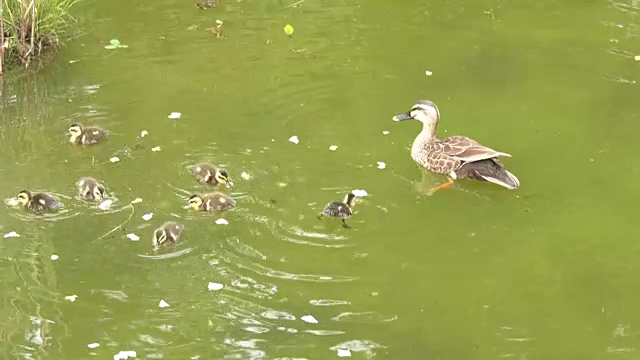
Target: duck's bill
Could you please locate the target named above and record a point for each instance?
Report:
(400, 117)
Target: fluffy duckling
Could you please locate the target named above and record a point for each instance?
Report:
(37, 202)
(168, 233)
(340, 209)
(211, 202)
(86, 135)
(91, 189)
(209, 174)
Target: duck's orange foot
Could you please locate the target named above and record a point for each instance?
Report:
(441, 186)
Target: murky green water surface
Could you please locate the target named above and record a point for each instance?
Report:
(549, 271)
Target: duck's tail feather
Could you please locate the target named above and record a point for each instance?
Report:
(490, 170)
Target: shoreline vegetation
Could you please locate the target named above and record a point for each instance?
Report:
(29, 28)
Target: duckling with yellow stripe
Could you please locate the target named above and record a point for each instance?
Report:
(37, 202)
(168, 233)
(91, 189)
(86, 135)
(216, 201)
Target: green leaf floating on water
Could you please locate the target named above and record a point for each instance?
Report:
(115, 44)
(288, 29)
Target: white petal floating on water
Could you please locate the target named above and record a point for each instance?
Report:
(136, 201)
(114, 159)
(175, 115)
(11, 234)
(144, 133)
(245, 176)
(344, 353)
(147, 217)
(333, 147)
(360, 193)
(54, 257)
(105, 205)
(381, 165)
(163, 304)
(214, 286)
(428, 73)
(124, 355)
(222, 222)
(294, 139)
(386, 132)
(93, 345)
(157, 148)
(71, 298)
(309, 319)
(133, 237)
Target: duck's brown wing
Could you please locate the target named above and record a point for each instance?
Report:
(467, 150)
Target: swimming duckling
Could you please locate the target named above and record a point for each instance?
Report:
(91, 189)
(37, 202)
(341, 210)
(204, 5)
(169, 233)
(211, 202)
(209, 174)
(86, 135)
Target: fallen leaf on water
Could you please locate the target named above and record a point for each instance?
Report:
(428, 73)
(175, 115)
(333, 147)
(54, 257)
(144, 133)
(294, 139)
(214, 286)
(381, 165)
(71, 298)
(114, 159)
(147, 217)
(157, 148)
(93, 345)
(288, 29)
(309, 319)
(133, 237)
(636, 58)
(385, 132)
(222, 222)
(11, 235)
(163, 304)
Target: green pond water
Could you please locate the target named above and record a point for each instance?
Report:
(548, 271)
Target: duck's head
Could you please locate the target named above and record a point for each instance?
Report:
(159, 237)
(23, 197)
(425, 111)
(195, 201)
(222, 176)
(75, 130)
(98, 192)
(350, 199)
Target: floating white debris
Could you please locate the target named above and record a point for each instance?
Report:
(175, 115)
(245, 176)
(344, 353)
(214, 286)
(147, 217)
(386, 132)
(222, 222)
(333, 147)
(133, 237)
(55, 257)
(124, 355)
(360, 193)
(114, 159)
(294, 139)
(71, 298)
(144, 133)
(11, 234)
(157, 148)
(381, 165)
(13, 202)
(105, 205)
(93, 345)
(636, 58)
(309, 319)
(136, 201)
(428, 73)
(163, 304)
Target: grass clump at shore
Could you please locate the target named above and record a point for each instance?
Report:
(29, 27)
